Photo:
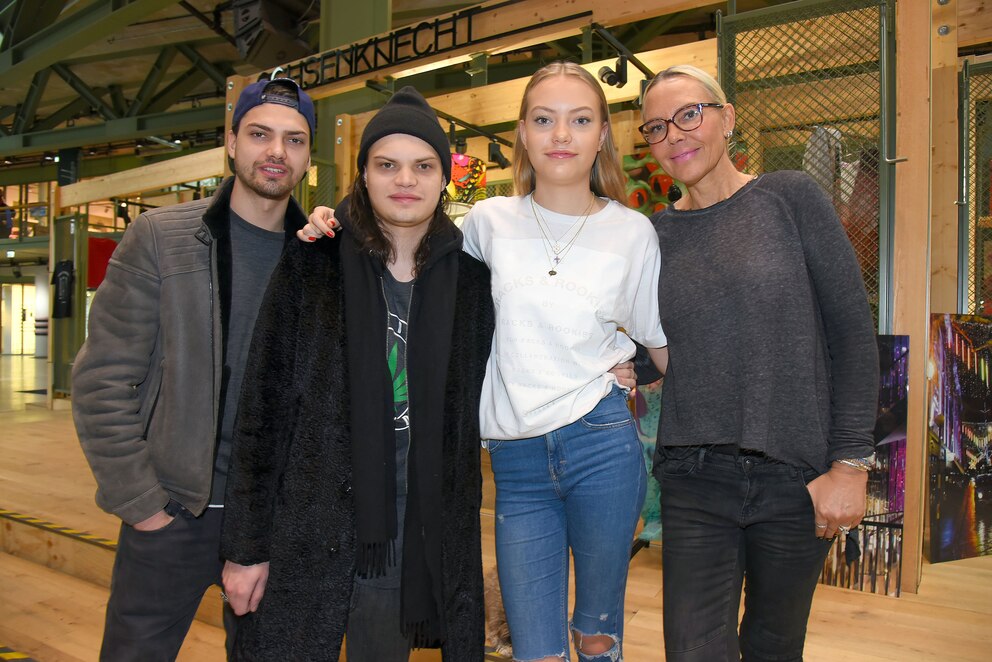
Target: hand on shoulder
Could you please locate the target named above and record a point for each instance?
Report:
(320, 223)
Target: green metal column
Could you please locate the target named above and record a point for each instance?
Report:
(343, 22)
(69, 241)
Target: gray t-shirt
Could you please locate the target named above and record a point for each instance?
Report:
(254, 255)
(771, 340)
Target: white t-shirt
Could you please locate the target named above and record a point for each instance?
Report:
(556, 336)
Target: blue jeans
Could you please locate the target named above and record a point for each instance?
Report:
(731, 520)
(580, 487)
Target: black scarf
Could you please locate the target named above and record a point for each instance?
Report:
(373, 439)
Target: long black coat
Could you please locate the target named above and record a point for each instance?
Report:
(289, 497)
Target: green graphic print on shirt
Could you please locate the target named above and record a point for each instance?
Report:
(396, 341)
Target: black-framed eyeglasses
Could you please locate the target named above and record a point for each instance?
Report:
(687, 118)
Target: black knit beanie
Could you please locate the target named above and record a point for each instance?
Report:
(407, 112)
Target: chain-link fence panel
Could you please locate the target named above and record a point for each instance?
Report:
(499, 188)
(317, 188)
(806, 81)
(976, 171)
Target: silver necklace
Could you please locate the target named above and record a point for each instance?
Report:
(557, 249)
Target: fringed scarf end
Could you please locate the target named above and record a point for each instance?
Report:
(422, 634)
(374, 558)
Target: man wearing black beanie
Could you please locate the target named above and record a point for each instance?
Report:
(354, 488)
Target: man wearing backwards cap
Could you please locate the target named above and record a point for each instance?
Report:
(155, 385)
(354, 491)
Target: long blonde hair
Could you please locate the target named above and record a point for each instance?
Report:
(606, 177)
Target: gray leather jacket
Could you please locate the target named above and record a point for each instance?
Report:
(148, 381)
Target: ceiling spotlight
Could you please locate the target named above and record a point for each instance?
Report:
(178, 141)
(616, 77)
(461, 145)
(49, 157)
(496, 156)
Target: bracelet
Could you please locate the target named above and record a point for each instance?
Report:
(859, 463)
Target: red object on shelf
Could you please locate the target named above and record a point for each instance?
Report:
(101, 249)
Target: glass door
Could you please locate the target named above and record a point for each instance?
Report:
(17, 319)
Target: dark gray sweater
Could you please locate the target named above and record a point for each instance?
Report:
(770, 335)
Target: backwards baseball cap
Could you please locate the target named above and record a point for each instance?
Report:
(407, 112)
(258, 93)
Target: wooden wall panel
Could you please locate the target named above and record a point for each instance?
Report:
(974, 21)
(193, 167)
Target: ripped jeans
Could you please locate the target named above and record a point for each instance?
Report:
(580, 487)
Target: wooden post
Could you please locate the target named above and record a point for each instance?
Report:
(911, 285)
(235, 85)
(345, 154)
(944, 155)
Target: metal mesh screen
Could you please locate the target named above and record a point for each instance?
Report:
(317, 188)
(805, 79)
(499, 188)
(976, 113)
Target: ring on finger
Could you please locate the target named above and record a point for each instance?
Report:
(844, 529)
(820, 526)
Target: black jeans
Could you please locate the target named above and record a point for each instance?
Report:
(373, 633)
(159, 579)
(731, 520)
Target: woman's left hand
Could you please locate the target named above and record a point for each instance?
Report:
(624, 372)
(838, 500)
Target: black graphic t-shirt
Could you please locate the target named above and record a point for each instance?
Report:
(398, 297)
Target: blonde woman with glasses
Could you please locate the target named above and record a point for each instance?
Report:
(769, 400)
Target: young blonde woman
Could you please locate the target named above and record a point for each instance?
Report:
(571, 266)
(769, 401)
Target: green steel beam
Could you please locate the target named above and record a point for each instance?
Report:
(215, 74)
(203, 18)
(478, 70)
(125, 128)
(647, 31)
(65, 113)
(118, 100)
(139, 51)
(413, 15)
(28, 109)
(31, 16)
(176, 90)
(84, 90)
(561, 48)
(78, 30)
(152, 80)
(342, 22)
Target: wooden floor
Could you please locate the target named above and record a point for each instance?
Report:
(52, 616)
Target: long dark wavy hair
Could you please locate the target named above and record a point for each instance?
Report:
(369, 232)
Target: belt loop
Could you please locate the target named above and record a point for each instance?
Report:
(702, 457)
